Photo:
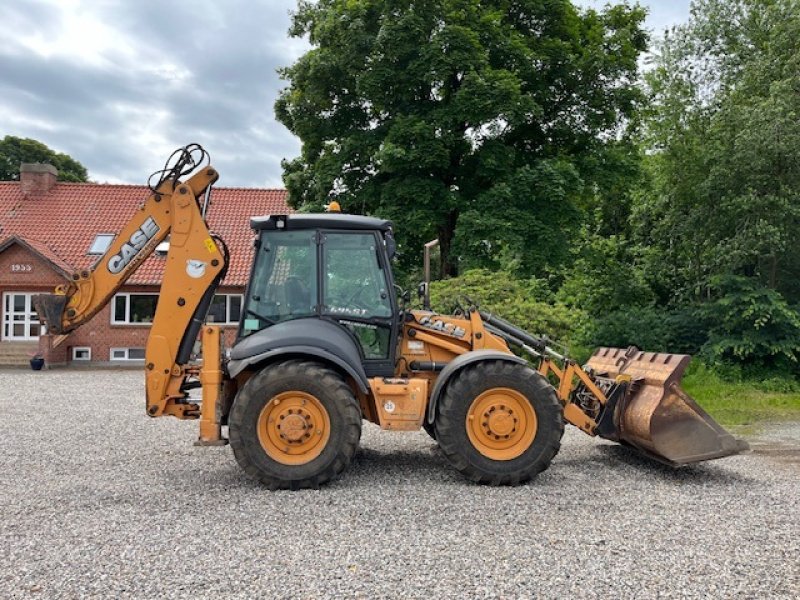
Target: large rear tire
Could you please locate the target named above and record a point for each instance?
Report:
(295, 425)
(429, 428)
(499, 423)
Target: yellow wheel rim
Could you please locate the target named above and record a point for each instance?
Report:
(501, 423)
(293, 428)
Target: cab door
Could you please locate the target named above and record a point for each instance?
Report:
(358, 292)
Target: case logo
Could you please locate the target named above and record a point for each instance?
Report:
(133, 246)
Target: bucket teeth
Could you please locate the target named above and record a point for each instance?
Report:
(657, 416)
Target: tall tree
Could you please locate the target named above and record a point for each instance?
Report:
(14, 151)
(724, 129)
(488, 124)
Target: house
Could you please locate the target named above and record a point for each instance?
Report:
(51, 229)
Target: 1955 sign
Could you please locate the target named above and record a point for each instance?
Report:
(21, 268)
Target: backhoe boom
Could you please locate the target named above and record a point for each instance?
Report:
(195, 263)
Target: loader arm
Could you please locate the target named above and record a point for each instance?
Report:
(195, 263)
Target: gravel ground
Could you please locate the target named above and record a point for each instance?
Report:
(98, 500)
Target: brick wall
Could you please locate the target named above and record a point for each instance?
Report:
(41, 273)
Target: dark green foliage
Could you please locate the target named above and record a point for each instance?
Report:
(751, 323)
(603, 276)
(716, 215)
(656, 329)
(726, 172)
(491, 125)
(14, 151)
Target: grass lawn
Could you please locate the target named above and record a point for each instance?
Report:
(740, 404)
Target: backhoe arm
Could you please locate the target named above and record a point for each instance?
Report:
(76, 302)
(195, 264)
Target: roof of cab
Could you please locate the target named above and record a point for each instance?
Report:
(320, 221)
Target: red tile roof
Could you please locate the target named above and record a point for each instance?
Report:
(61, 224)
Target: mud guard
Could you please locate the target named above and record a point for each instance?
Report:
(459, 363)
(315, 338)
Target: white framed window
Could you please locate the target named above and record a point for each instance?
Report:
(81, 353)
(225, 309)
(101, 243)
(20, 321)
(163, 248)
(126, 354)
(133, 309)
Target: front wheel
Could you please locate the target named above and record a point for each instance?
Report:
(295, 425)
(499, 423)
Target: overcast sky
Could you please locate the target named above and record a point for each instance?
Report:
(120, 84)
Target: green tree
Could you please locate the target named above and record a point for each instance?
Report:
(491, 125)
(14, 151)
(724, 128)
(716, 217)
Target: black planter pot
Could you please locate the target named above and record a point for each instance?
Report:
(37, 364)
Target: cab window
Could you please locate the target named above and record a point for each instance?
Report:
(354, 283)
(355, 290)
(284, 284)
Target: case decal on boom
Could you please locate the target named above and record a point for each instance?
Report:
(133, 246)
(443, 326)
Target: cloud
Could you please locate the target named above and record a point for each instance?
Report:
(118, 86)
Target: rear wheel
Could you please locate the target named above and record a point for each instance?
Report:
(295, 425)
(499, 423)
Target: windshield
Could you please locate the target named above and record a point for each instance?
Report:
(354, 284)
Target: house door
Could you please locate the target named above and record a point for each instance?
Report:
(20, 321)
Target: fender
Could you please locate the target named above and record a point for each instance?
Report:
(318, 338)
(459, 363)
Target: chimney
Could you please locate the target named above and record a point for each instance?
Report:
(37, 178)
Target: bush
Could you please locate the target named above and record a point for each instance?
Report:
(525, 302)
(655, 329)
(603, 277)
(644, 327)
(751, 324)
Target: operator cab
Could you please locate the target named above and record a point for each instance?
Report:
(330, 266)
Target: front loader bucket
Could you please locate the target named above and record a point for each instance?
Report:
(657, 416)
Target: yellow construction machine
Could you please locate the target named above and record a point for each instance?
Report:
(324, 342)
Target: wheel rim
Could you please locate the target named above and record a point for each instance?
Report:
(293, 428)
(501, 423)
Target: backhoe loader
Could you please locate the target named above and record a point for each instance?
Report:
(324, 343)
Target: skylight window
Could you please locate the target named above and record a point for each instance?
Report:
(163, 247)
(101, 243)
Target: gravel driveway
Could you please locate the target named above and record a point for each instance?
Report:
(98, 500)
